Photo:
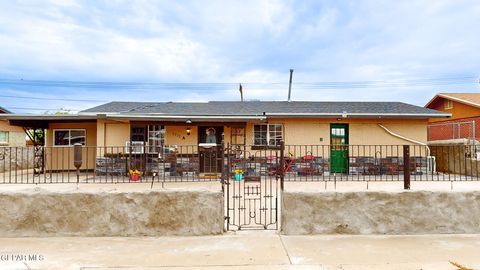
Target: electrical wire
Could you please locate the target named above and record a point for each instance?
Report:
(43, 109)
(220, 87)
(58, 99)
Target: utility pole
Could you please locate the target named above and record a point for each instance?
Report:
(240, 88)
(290, 85)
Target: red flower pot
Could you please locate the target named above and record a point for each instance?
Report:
(134, 177)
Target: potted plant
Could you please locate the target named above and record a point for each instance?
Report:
(238, 175)
(134, 175)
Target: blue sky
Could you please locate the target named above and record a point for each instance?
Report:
(97, 51)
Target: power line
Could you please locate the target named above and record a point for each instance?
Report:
(42, 109)
(226, 87)
(201, 85)
(58, 99)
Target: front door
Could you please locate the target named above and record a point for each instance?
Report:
(339, 148)
(209, 148)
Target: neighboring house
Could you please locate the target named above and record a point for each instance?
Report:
(465, 120)
(10, 135)
(148, 126)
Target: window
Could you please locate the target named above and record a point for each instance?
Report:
(448, 104)
(137, 134)
(268, 134)
(68, 137)
(3, 137)
(337, 136)
(156, 138)
(150, 138)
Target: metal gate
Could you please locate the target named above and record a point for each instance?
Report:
(253, 181)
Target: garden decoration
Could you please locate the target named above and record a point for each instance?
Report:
(238, 175)
(135, 175)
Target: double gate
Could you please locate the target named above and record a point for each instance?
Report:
(253, 180)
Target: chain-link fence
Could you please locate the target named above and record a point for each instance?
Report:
(452, 130)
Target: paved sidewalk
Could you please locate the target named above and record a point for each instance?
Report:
(245, 250)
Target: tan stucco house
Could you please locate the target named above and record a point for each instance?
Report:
(147, 127)
(10, 135)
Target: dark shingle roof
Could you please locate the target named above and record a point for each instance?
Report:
(260, 108)
(3, 110)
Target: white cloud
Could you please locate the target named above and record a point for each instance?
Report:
(276, 15)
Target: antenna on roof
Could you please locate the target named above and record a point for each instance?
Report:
(290, 85)
(241, 92)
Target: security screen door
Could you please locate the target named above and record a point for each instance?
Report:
(339, 148)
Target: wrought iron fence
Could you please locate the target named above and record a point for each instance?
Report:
(193, 163)
(112, 164)
(310, 163)
(381, 163)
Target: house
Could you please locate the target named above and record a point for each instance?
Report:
(464, 123)
(10, 135)
(196, 130)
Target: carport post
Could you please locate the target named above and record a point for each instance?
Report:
(406, 167)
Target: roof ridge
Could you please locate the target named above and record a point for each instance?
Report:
(254, 101)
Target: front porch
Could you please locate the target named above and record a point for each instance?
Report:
(174, 150)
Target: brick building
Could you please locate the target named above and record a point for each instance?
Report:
(464, 122)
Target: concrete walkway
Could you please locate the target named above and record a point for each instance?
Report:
(245, 250)
(318, 186)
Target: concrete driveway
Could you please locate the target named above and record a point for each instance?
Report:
(243, 250)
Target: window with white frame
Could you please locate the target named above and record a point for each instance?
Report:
(3, 137)
(67, 137)
(156, 138)
(267, 134)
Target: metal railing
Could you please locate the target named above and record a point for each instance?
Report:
(191, 163)
(452, 130)
(111, 164)
(380, 163)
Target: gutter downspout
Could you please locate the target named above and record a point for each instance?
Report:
(404, 138)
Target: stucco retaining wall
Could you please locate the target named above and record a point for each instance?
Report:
(150, 213)
(412, 212)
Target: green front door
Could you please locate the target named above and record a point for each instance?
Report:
(339, 148)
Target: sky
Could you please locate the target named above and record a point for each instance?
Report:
(72, 55)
